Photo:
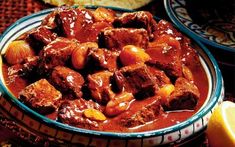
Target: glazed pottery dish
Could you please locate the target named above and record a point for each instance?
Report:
(105, 76)
(212, 22)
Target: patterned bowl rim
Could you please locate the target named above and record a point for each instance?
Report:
(173, 16)
(214, 97)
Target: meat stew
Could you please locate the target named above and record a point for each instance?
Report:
(100, 71)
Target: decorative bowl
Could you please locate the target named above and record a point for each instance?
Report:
(54, 131)
(212, 22)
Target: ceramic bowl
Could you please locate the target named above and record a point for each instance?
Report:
(211, 21)
(55, 131)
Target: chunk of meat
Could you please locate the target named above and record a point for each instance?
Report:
(101, 58)
(165, 28)
(146, 114)
(68, 81)
(72, 21)
(41, 96)
(58, 52)
(77, 23)
(135, 79)
(71, 112)
(49, 21)
(95, 28)
(40, 37)
(100, 86)
(29, 67)
(117, 38)
(189, 55)
(140, 19)
(159, 76)
(26, 69)
(185, 96)
(165, 53)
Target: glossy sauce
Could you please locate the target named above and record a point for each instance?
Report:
(165, 119)
(84, 29)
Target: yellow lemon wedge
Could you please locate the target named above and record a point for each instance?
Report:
(221, 126)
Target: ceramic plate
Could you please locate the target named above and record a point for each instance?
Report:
(212, 22)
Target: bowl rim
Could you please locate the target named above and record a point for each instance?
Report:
(173, 16)
(215, 95)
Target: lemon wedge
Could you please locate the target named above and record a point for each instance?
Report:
(221, 126)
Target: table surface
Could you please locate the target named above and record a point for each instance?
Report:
(12, 10)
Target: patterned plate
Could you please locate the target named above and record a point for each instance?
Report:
(27, 119)
(212, 22)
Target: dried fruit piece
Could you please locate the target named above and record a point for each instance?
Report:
(94, 114)
(118, 104)
(103, 14)
(132, 55)
(166, 90)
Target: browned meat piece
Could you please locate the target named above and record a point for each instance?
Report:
(31, 62)
(135, 79)
(26, 69)
(140, 19)
(71, 112)
(146, 114)
(86, 35)
(103, 59)
(159, 75)
(68, 81)
(58, 52)
(41, 96)
(49, 20)
(29, 67)
(165, 27)
(165, 53)
(100, 86)
(115, 39)
(185, 96)
(72, 21)
(40, 37)
(75, 23)
(189, 55)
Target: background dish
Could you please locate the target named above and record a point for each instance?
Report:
(128, 4)
(212, 22)
(43, 126)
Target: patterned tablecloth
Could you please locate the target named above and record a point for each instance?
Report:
(12, 10)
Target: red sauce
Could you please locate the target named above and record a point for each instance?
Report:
(83, 28)
(165, 119)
